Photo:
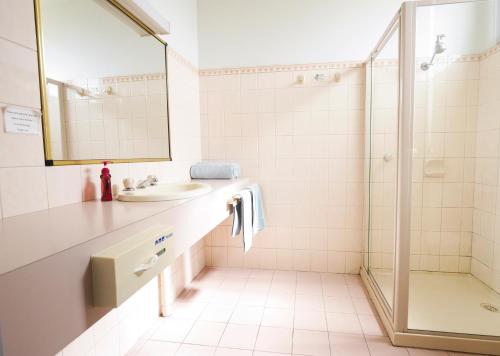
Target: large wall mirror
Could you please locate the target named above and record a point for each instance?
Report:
(103, 78)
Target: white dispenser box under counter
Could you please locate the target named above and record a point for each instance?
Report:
(122, 269)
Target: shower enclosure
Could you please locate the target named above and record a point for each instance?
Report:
(432, 176)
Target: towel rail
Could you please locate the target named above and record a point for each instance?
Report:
(233, 200)
(231, 203)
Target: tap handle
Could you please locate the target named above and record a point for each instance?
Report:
(153, 179)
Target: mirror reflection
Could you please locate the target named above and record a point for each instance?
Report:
(106, 84)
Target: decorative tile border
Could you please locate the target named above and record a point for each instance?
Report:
(385, 62)
(281, 68)
(133, 78)
(491, 51)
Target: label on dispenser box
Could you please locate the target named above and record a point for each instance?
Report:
(21, 120)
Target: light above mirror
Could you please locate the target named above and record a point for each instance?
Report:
(103, 78)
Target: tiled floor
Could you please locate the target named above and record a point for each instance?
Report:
(241, 312)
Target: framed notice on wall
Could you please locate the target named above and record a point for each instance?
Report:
(21, 120)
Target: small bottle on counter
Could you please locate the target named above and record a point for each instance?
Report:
(106, 194)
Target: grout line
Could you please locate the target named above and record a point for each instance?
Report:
(326, 313)
(19, 44)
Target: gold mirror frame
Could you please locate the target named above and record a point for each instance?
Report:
(43, 93)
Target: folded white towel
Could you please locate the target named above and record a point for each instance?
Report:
(215, 170)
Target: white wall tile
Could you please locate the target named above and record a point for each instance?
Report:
(19, 69)
(63, 185)
(23, 190)
(17, 22)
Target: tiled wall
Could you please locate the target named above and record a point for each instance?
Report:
(118, 331)
(117, 117)
(303, 143)
(486, 223)
(443, 164)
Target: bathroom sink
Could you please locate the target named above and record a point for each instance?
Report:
(167, 191)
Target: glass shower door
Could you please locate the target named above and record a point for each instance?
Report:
(383, 171)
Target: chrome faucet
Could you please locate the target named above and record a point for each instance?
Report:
(149, 181)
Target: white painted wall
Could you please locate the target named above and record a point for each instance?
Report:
(235, 33)
(182, 15)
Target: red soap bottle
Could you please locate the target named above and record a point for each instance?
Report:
(106, 194)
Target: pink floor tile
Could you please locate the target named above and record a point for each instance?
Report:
(247, 315)
(257, 286)
(308, 277)
(353, 279)
(314, 288)
(263, 353)
(336, 290)
(309, 302)
(371, 325)
(174, 330)
(348, 344)
(158, 348)
(314, 343)
(279, 318)
(339, 305)
(274, 340)
(205, 333)
(217, 313)
(238, 272)
(239, 336)
(195, 350)
(232, 352)
(285, 276)
(253, 299)
(261, 275)
(182, 310)
(363, 306)
(236, 284)
(381, 346)
(283, 287)
(228, 298)
(424, 352)
(357, 291)
(196, 295)
(281, 300)
(333, 278)
(343, 323)
(310, 320)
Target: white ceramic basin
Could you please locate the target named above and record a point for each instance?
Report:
(167, 191)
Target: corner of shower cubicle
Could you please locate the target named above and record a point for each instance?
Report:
(394, 315)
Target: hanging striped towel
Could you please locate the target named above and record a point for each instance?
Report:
(248, 214)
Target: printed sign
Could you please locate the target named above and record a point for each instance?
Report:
(21, 120)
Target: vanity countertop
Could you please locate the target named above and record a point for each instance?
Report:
(30, 237)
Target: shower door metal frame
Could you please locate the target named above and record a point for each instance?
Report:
(394, 26)
(396, 321)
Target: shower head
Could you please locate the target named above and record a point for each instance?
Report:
(439, 47)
